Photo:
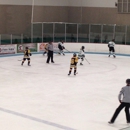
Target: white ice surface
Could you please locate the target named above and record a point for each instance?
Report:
(44, 97)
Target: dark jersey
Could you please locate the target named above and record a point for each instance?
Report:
(27, 53)
(61, 46)
(74, 61)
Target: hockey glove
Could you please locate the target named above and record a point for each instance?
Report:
(83, 56)
(30, 54)
(76, 63)
(82, 59)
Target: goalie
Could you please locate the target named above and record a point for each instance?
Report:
(27, 55)
(81, 55)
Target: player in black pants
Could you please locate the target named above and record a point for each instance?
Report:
(124, 103)
(111, 46)
(61, 47)
(73, 64)
(27, 55)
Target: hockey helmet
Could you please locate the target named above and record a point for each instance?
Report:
(128, 81)
(83, 47)
(113, 40)
(26, 47)
(74, 54)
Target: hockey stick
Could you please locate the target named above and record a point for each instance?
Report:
(19, 60)
(87, 60)
(67, 50)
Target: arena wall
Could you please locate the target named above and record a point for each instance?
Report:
(69, 47)
(16, 15)
(97, 48)
(89, 48)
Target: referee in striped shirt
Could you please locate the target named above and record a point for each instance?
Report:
(124, 103)
(50, 53)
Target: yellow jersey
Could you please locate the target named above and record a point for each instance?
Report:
(46, 46)
(27, 53)
(74, 61)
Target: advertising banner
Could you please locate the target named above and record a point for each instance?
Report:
(31, 46)
(7, 49)
(41, 47)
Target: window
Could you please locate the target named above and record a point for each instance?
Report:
(123, 6)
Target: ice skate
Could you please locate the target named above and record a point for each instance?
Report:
(22, 63)
(69, 74)
(110, 122)
(81, 64)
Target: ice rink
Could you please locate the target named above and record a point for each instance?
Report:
(44, 97)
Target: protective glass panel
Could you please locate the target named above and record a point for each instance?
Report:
(83, 33)
(16, 39)
(37, 32)
(5, 39)
(128, 36)
(47, 32)
(59, 32)
(120, 34)
(27, 35)
(71, 32)
(95, 34)
(26, 38)
(107, 34)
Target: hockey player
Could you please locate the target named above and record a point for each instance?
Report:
(73, 64)
(45, 48)
(111, 45)
(61, 47)
(124, 99)
(27, 55)
(81, 55)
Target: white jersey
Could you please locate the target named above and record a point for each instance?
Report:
(111, 44)
(61, 44)
(81, 53)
